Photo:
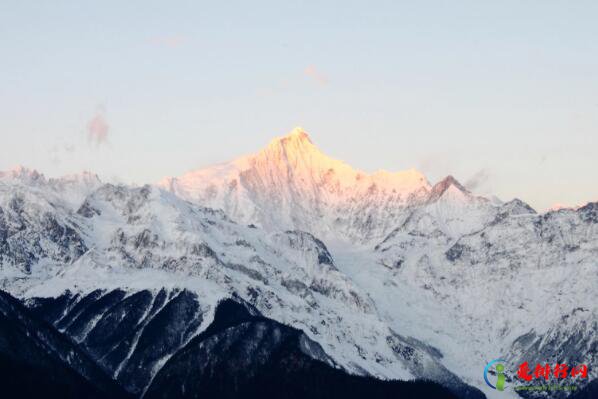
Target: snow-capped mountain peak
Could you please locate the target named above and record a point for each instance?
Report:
(448, 184)
(70, 189)
(292, 184)
(22, 173)
(27, 175)
(297, 136)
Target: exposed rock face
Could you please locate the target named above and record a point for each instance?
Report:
(127, 335)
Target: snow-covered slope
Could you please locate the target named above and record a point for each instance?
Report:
(144, 238)
(36, 225)
(520, 286)
(440, 263)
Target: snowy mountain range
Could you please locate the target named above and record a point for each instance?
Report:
(381, 275)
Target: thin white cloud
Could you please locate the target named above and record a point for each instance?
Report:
(315, 74)
(98, 129)
(479, 179)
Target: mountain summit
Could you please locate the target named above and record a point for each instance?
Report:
(291, 184)
(297, 136)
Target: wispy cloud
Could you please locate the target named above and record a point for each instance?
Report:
(98, 128)
(315, 74)
(478, 180)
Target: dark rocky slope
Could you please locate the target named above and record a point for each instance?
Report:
(244, 355)
(37, 361)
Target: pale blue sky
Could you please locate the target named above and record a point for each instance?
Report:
(503, 90)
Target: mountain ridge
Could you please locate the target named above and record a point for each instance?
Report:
(427, 285)
(292, 184)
